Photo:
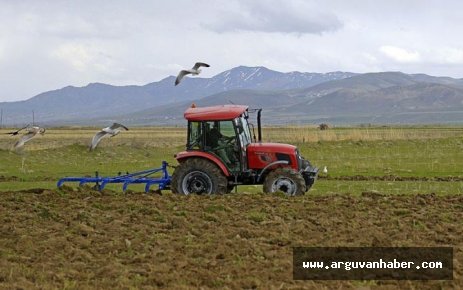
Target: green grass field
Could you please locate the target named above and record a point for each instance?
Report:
(424, 152)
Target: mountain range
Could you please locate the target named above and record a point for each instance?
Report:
(294, 97)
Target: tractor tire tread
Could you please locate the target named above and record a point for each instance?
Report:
(285, 172)
(219, 180)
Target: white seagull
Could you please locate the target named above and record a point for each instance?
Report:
(113, 130)
(194, 71)
(325, 170)
(31, 133)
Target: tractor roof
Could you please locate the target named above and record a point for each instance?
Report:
(214, 113)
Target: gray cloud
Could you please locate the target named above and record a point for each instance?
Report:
(275, 16)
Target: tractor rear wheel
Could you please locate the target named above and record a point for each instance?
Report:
(200, 176)
(286, 180)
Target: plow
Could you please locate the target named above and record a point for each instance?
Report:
(140, 177)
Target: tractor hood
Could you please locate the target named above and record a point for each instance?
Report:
(260, 155)
(271, 148)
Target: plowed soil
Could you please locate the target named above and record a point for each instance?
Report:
(86, 239)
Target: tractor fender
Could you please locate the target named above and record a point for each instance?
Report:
(270, 165)
(181, 156)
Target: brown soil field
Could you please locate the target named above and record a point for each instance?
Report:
(86, 239)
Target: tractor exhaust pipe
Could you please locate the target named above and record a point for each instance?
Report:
(259, 129)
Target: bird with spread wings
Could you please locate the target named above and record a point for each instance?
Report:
(111, 131)
(194, 71)
(32, 131)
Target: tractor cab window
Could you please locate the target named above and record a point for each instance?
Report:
(218, 132)
(194, 135)
(244, 133)
(220, 139)
(244, 136)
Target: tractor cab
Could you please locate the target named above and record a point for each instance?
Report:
(227, 139)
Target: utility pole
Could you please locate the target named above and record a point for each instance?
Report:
(33, 118)
(1, 118)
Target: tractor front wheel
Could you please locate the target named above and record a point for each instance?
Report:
(198, 175)
(286, 180)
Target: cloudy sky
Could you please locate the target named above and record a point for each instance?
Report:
(46, 45)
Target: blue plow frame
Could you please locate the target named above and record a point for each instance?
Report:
(132, 178)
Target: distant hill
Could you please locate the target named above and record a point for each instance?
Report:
(301, 98)
(387, 97)
(96, 100)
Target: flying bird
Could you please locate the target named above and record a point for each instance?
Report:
(194, 71)
(111, 131)
(14, 133)
(31, 133)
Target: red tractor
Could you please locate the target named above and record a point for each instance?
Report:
(221, 153)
